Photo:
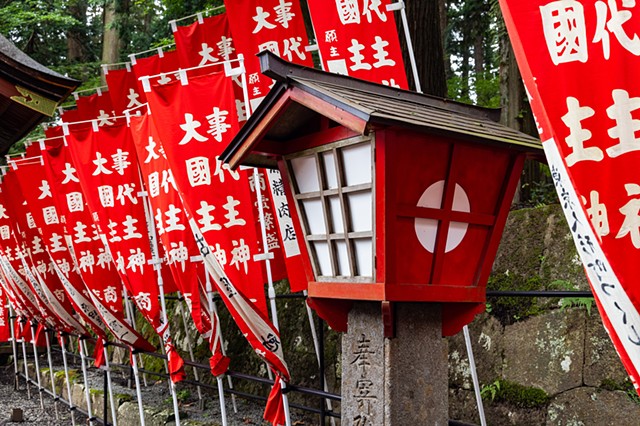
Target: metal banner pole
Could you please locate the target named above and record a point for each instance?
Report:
(87, 395)
(72, 407)
(53, 380)
(474, 375)
(196, 375)
(136, 375)
(316, 345)
(266, 256)
(114, 409)
(128, 309)
(37, 364)
(214, 315)
(25, 364)
(405, 26)
(13, 346)
(157, 265)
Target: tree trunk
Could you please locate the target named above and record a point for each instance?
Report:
(76, 39)
(111, 36)
(517, 114)
(424, 19)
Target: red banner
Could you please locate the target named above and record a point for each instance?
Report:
(172, 225)
(5, 331)
(107, 169)
(38, 193)
(359, 38)
(163, 65)
(204, 42)
(575, 59)
(273, 25)
(198, 121)
(124, 90)
(25, 265)
(92, 260)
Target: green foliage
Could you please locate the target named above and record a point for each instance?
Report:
(515, 394)
(183, 395)
(490, 391)
(577, 302)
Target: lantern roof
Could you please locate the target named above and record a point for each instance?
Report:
(29, 92)
(301, 94)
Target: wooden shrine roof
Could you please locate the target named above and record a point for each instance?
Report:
(376, 105)
(29, 92)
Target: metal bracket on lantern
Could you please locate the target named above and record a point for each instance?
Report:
(388, 319)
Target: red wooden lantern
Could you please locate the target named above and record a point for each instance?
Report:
(396, 196)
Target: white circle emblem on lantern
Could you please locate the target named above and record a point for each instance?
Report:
(427, 229)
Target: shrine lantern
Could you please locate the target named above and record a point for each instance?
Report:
(395, 196)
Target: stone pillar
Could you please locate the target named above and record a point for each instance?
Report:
(394, 382)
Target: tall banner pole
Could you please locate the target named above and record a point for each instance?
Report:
(214, 315)
(51, 376)
(407, 36)
(131, 319)
(196, 375)
(474, 376)
(272, 291)
(265, 245)
(87, 395)
(72, 407)
(25, 364)
(136, 376)
(107, 369)
(157, 265)
(37, 364)
(13, 346)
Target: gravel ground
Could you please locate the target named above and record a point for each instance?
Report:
(156, 396)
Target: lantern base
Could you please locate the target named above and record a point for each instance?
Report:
(399, 381)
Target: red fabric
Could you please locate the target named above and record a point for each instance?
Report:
(334, 311)
(5, 331)
(100, 276)
(124, 90)
(40, 339)
(176, 364)
(98, 354)
(92, 106)
(219, 364)
(25, 331)
(274, 411)
(169, 215)
(204, 43)
(221, 215)
(165, 64)
(359, 39)
(106, 167)
(217, 198)
(38, 193)
(575, 58)
(285, 37)
(30, 270)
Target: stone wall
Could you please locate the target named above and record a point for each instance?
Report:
(545, 361)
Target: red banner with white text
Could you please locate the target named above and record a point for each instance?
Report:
(274, 25)
(92, 260)
(359, 38)
(204, 42)
(575, 58)
(198, 121)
